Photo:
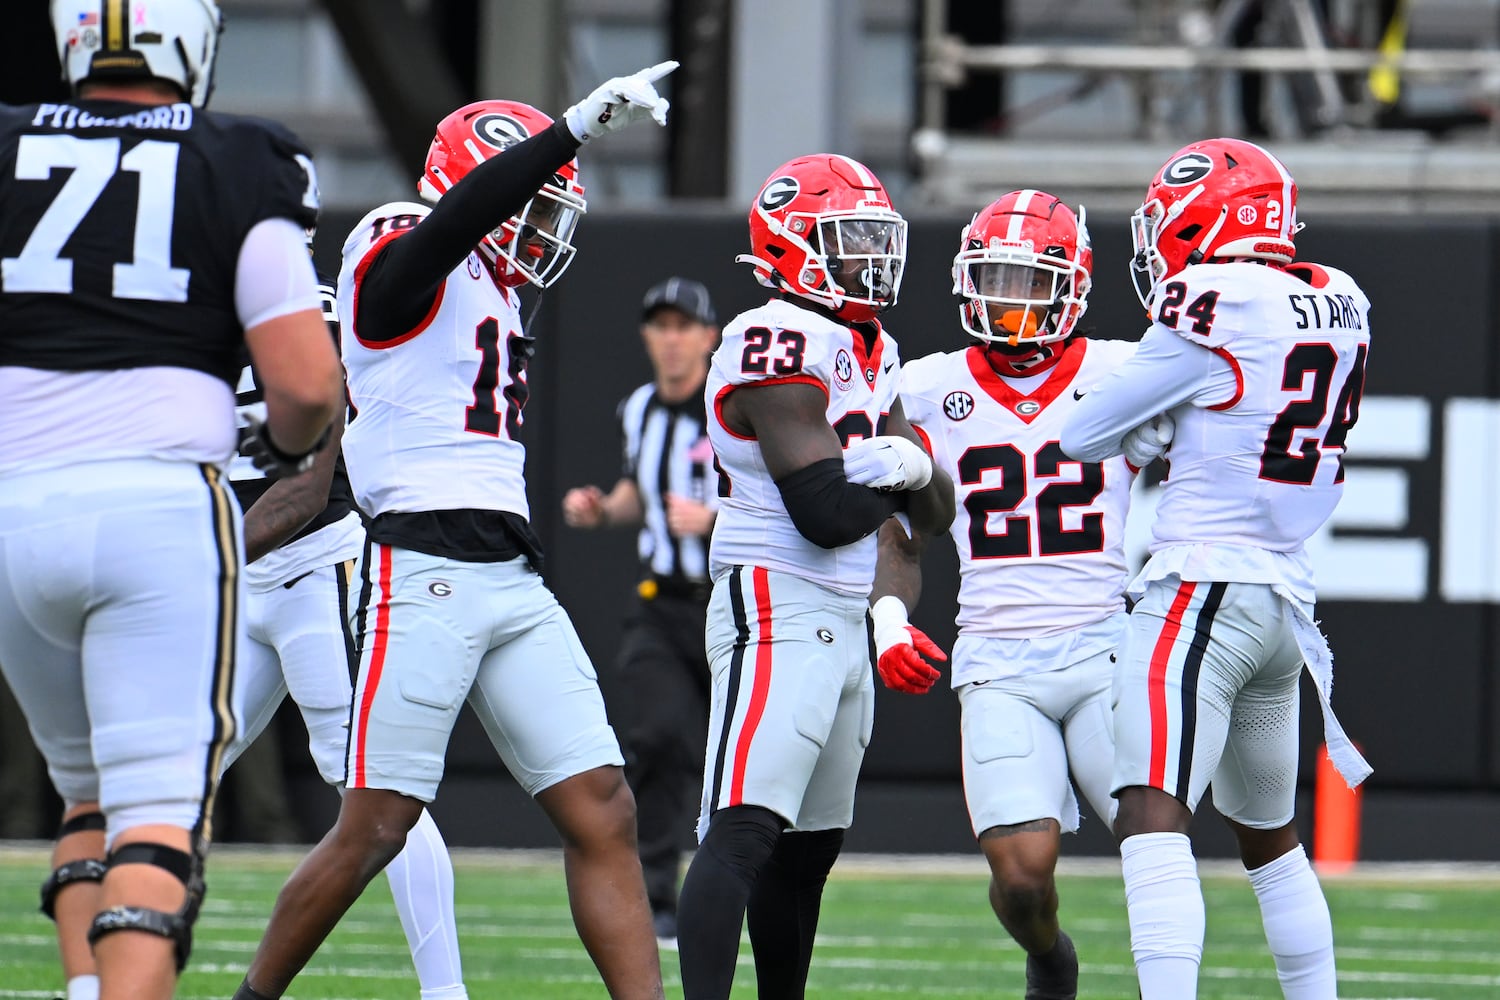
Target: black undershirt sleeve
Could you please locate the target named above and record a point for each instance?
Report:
(830, 511)
(401, 283)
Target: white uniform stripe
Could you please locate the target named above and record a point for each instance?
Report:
(1286, 190)
(866, 178)
(369, 645)
(1023, 200)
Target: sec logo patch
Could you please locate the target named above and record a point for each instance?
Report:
(843, 369)
(957, 405)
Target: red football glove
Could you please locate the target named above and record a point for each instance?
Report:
(899, 648)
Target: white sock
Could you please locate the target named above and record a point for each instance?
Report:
(83, 988)
(421, 878)
(1298, 927)
(1165, 903)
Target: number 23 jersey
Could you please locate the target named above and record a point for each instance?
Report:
(776, 343)
(437, 409)
(1040, 537)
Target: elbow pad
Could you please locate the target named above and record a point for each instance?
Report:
(830, 511)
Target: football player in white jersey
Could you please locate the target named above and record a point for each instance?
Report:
(794, 383)
(1258, 364)
(1040, 542)
(302, 535)
(452, 607)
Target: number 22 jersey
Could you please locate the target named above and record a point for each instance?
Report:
(776, 343)
(1040, 537)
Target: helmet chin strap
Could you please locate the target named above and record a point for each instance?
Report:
(1019, 362)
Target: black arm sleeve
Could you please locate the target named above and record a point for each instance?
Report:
(399, 286)
(830, 511)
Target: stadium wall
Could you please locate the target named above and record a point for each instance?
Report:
(1409, 568)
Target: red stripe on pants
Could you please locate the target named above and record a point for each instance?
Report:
(760, 686)
(377, 663)
(1156, 682)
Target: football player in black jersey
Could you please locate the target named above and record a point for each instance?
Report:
(145, 244)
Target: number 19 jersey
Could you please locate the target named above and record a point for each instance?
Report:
(437, 409)
(775, 343)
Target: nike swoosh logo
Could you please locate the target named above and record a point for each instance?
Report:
(890, 366)
(1078, 395)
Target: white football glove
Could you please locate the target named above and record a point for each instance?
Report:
(1148, 441)
(887, 462)
(620, 102)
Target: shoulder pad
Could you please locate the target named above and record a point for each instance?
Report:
(1204, 304)
(781, 341)
(394, 216)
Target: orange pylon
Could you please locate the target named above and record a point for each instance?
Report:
(1336, 815)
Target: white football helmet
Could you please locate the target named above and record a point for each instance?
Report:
(171, 40)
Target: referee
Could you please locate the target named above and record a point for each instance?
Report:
(668, 489)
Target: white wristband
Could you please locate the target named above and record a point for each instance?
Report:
(888, 612)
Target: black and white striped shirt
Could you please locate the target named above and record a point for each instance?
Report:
(666, 450)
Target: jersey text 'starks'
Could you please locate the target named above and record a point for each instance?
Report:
(1264, 468)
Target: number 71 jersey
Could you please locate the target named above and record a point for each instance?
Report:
(437, 408)
(781, 342)
(1040, 537)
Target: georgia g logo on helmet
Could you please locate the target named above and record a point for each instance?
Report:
(500, 131)
(1189, 168)
(778, 192)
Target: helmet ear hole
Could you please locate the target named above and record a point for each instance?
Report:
(1189, 233)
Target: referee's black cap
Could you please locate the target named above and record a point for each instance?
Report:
(687, 296)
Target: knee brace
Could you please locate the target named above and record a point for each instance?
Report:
(82, 870)
(176, 927)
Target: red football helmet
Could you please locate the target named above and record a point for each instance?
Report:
(535, 244)
(822, 228)
(1219, 198)
(1024, 269)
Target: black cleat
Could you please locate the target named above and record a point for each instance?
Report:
(1054, 977)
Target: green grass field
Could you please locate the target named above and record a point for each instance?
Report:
(890, 927)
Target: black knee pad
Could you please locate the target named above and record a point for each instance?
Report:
(811, 854)
(82, 870)
(83, 821)
(743, 838)
(176, 927)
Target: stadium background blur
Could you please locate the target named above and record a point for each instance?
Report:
(1402, 190)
